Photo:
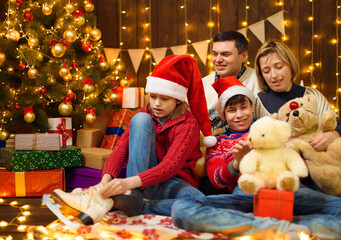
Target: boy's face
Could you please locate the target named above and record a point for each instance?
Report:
(161, 105)
(239, 116)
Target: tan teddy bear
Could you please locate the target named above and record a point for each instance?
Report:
(270, 164)
(324, 167)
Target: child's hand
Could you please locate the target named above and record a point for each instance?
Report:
(120, 186)
(239, 151)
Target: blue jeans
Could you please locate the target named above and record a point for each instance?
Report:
(142, 156)
(230, 214)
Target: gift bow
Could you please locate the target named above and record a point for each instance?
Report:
(65, 65)
(101, 58)
(78, 14)
(88, 80)
(66, 100)
(92, 111)
(61, 41)
(28, 109)
(66, 134)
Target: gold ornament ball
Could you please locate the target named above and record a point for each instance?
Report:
(80, 20)
(67, 77)
(95, 34)
(2, 58)
(58, 50)
(47, 9)
(65, 109)
(4, 135)
(114, 97)
(104, 65)
(14, 35)
(63, 71)
(32, 42)
(70, 35)
(32, 73)
(29, 117)
(88, 88)
(124, 83)
(69, 8)
(89, 7)
(90, 118)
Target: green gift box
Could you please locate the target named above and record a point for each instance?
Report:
(19, 161)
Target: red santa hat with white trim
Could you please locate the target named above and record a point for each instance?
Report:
(226, 88)
(178, 76)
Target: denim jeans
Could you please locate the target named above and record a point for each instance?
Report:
(230, 214)
(142, 156)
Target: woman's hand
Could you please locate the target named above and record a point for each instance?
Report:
(120, 185)
(322, 141)
(239, 151)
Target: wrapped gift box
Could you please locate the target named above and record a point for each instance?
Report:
(19, 161)
(89, 137)
(62, 126)
(274, 203)
(133, 97)
(30, 184)
(83, 177)
(117, 124)
(10, 143)
(37, 141)
(95, 157)
(2, 144)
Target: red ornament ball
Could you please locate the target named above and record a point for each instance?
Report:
(293, 105)
(86, 46)
(28, 16)
(21, 66)
(43, 91)
(19, 2)
(72, 96)
(74, 65)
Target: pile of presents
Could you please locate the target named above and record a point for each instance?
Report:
(32, 165)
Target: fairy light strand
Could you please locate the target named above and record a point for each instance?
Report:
(337, 57)
(311, 68)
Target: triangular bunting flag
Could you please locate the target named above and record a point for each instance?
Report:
(158, 54)
(243, 31)
(136, 57)
(258, 30)
(201, 48)
(111, 54)
(277, 21)
(181, 49)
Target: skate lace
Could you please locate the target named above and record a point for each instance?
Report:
(93, 197)
(80, 191)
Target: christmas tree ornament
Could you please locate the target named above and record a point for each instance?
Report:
(17, 106)
(88, 88)
(14, 35)
(95, 34)
(43, 91)
(65, 108)
(74, 65)
(46, 9)
(90, 115)
(29, 116)
(32, 73)
(113, 97)
(4, 135)
(87, 28)
(86, 46)
(21, 66)
(79, 18)
(28, 16)
(103, 65)
(70, 35)
(10, 70)
(67, 77)
(88, 6)
(2, 57)
(32, 42)
(125, 83)
(58, 50)
(72, 96)
(19, 2)
(64, 71)
(69, 8)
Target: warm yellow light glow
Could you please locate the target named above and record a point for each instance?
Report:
(285, 38)
(280, 3)
(210, 24)
(247, 7)
(314, 86)
(123, 27)
(1, 200)
(21, 228)
(213, 8)
(147, 8)
(186, 24)
(304, 236)
(13, 203)
(307, 52)
(311, 67)
(26, 213)
(317, 64)
(339, 89)
(244, 23)
(310, 18)
(333, 41)
(3, 224)
(315, 36)
(147, 24)
(147, 38)
(189, 41)
(286, 22)
(123, 12)
(182, 6)
(21, 218)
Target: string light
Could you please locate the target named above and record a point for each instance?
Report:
(245, 23)
(311, 69)
(336, 109)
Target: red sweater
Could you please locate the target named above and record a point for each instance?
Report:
(177, 148)
(218, 158)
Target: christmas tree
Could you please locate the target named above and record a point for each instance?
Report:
(52, 64)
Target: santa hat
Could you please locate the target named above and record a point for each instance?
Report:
(226, 88)
(178, 76)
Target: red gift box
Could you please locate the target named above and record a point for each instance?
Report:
(117, 124)
(274, 203)
(30, 183)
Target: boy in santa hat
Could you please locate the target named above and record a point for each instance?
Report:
(162, 146)
(235, 105)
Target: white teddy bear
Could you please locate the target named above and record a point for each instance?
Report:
(269, 164)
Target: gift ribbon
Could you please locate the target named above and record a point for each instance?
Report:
(92, 111)
(61, 129)
(88, 80)
(61, 41)
(78, 14)
(20, 190)
(28, 109)
(114, 130)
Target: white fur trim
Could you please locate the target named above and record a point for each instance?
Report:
(209, 141)
(232, 91)
(165, 87)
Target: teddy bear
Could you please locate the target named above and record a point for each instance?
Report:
(324, 167)
(269, 164)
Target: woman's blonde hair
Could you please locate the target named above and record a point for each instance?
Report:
(283, 52)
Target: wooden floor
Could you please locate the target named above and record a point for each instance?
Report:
(40, 216)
